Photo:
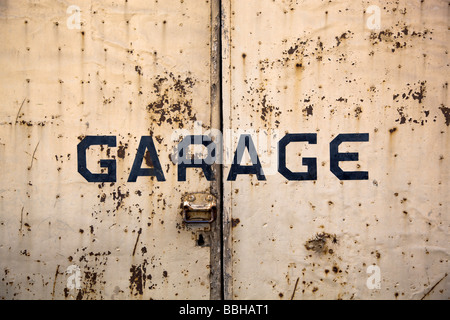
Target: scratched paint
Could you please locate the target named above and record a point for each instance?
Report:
(316, 67)
(132, 69)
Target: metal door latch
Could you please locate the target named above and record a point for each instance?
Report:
(199, 208)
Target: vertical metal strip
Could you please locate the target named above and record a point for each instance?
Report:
(216, 123)
(226, 111)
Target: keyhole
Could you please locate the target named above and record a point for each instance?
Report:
(200, 240)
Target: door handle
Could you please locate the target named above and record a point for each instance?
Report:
(199, 208)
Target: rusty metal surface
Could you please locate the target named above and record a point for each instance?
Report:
(326, 68)
(148, 68)
(128, 69)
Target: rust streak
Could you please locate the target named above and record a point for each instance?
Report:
(18, 112)
(54, 282)
(429, 291)
(295, 289)
(137, 239)
(21, 219)
(32, 157)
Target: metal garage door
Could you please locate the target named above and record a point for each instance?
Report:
(92, 93)
(181, 149)
(351, 98)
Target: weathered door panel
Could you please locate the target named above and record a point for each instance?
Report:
(125, 69)
(326, 68)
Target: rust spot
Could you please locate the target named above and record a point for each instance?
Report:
(391, 131)
(292, 49)
(308, 111)
(25, 253)
(159, 138)
(173, 104)
(341, 38)
(377, 254)
(420, 95)
(235, 222)
(446, 113)
(138, 277)
(90, 279)
(319, 243)
(266, 108)
(148, 159)
(402, 119)
(138, 69)
(119, 196)
(121, 151)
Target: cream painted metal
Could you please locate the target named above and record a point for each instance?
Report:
(125, 69)
(148, 68)
(323, 67)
